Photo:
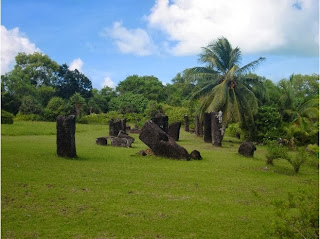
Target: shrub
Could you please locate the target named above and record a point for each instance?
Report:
(104, 118)
(233, 129)
(298, 160)
(276, 151)
(176, 114)
(29, 117)
(153, 108)
(268, 124)
(6, 117)
(298, 216)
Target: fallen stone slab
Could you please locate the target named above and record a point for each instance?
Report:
(120, 142)
(101, 141)
(125, 136)
(161, 143)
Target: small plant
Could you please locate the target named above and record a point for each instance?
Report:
(6, 117)
(298, 216)
(276, 151)
(298, 160)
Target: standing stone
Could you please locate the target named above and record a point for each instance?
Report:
(199, 126)
(207, 134)
(160, 143)
(186, 123)
(174, 130)
(216, 128)
(114, 127)
(66, 129)
(124, 125)
(247, 149)
(162, 122)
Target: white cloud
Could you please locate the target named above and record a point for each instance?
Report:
(76, 64)
(135, 41)
(108, 82)
(282, 26)
(13, 42)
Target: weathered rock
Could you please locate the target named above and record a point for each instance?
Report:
(123, 123)
(174, 130)
(101, 141)
(199, 126)
(142, 153)
(216, 128)
(134, 131)
(66, 128)
(195, 154)
(120, 142)
(114, 127)
(162, 122)
(161, 143)
(247, 149)
(186, 123)
(207, 134)
(125, 136)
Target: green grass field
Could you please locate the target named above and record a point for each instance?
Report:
(112, 192)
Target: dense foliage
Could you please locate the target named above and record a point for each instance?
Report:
(39, 89)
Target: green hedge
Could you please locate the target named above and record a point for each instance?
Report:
(6, 117)
(105, 117)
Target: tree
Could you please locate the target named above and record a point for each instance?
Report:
(226, 89)
(30, 105)
(78, 103)
(305, 86)
(148, 86)
(179, 91)
(38, 68)
(34, 75)
(71, 82)
(128, 103)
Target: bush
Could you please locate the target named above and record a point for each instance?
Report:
(6, 117)
(275, 151)
(176, 114)
(29, 117)
(298, 216)
(233, 129)
(153, 108)
(104, 118)
(268, 124)
(298, 160)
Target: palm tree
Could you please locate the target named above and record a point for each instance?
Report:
(302, 114)
(226, 89)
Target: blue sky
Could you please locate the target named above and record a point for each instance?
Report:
(110, 40)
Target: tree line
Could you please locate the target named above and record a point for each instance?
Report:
(40, 89)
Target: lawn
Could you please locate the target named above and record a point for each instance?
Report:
(110, 192)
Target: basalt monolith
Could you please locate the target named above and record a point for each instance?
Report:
(66, 143)
(161, 143)
(174, 130)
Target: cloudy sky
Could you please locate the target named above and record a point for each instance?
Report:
(110, 40)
